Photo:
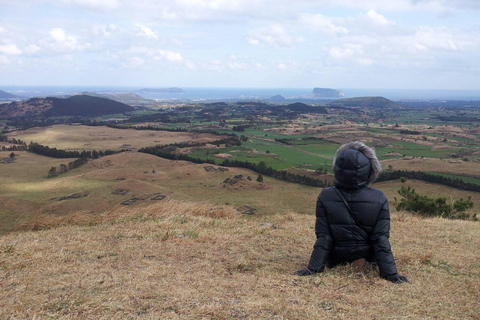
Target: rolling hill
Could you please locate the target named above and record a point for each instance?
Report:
(365, 102)
(6, 96)
(80, 105)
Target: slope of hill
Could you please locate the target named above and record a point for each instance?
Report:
(135, 179)
(80, 105)
(5, 95)
(365, 102)
(127, 98)
(182, 260)
(302, 107)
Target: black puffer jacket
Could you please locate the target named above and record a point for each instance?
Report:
(339, 238)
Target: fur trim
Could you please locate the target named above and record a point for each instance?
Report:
(375, 166)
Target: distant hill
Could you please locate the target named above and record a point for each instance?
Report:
(305, 108)
(6, 95)
(161, 90)
(81, 105)
(276, 98)
(127, 98)
(327, 93)
(365, 102)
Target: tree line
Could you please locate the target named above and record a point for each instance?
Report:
(429, 177)
(155, 128)
(262, 168)
(59, 153)
(53, 172)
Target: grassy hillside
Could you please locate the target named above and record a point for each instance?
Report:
(134, 179)
(80, 105)
(175, 260)
(6, 95)
(26, 192)
(363, 102)
(81, 138)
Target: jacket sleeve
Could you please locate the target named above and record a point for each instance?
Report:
(381, 244)
(323, 245)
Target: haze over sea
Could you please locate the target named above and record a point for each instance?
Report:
(199, 94)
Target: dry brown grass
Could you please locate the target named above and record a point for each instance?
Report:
(438, 165)
(177, 260)
(103, 138)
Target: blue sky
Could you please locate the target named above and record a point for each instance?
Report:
(396, 44)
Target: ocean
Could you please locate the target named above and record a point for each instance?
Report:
(206, 94)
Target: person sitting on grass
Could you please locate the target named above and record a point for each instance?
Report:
(353, 220)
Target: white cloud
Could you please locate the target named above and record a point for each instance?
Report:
(58, 34)
(378, 18)
(341, 53)
(10, 50)
(215, 65)
(4, 60)
(237, 65)
(32, 49)
(147, 32)
(274, 35)
(104, 30)
(134, 62)
(365, 61)
(190, 65)
(102, 5)
(429, 38)
(62, 41)
(168, 56)
(323, 23)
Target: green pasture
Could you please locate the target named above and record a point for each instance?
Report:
(378, 130)
(428, 153)
(292, 157)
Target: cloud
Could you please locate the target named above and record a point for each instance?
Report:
(168, 56)
(237, 65)
(174, 57)
(365, 61)
(341, 53)
(282, 67)
(10, 50)
(147, 32)
(4, 60)
(102, 5)
(61, 41)
(378, 18)
(32, 49)
(104, 30)
(429, 38)
(323, 23)
(274, 35)
(134, 62)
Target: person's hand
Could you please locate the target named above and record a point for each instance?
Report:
(304, 272)
(395, 278)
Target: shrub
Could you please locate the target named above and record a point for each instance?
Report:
(434, 207)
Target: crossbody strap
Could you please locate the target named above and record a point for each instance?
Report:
(339, 193)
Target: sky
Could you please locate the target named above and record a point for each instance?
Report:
(394, 44)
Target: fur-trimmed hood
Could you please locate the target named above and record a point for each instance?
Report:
(355, 165)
